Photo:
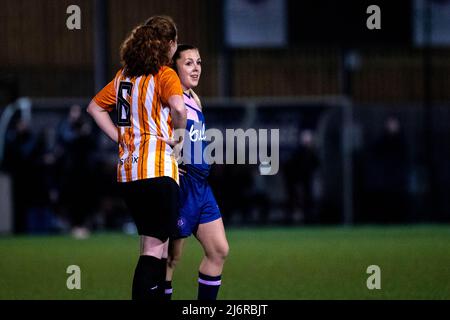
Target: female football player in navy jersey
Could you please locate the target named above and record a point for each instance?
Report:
(199, 213)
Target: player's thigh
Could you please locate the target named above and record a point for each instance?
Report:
(212, 237)
(176, 248)
(151, 246)
(153, 204)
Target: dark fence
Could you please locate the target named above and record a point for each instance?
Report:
(396, 172)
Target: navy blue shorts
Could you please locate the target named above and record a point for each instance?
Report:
(197, 206)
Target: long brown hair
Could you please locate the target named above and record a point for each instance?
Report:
(146, 49)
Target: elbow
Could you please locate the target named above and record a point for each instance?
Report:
(177, 108)
(89, 109)
(179, 114)
(92, 108)
(181, 111)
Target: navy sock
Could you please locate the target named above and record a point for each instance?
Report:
(208, 286)
(147, 279)
(168, 290)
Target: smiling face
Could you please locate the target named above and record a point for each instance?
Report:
(189, 66)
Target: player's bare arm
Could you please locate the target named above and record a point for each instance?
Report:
(103, 120)
(179, 115)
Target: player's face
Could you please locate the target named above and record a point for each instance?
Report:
(189, 67)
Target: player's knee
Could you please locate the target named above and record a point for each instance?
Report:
(172, 260)
(225, 251)
(221, 252)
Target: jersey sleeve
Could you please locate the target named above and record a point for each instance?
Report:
(106, 98)
(170, 85)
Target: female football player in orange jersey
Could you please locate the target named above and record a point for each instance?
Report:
(199, 212)
(148, 97)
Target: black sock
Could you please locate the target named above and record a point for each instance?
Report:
(162, 278)
(208, 286)
(146, 281)
(168, 290)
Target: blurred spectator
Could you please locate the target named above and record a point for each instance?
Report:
(20, 161)
(40, 215)
(233, 191)
(386, 175)
(217, 178)
(257, 202)
(77, 181)
(237, 184)
(299, 173)
(112, 212)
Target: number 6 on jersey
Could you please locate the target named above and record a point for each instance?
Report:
(123, 104)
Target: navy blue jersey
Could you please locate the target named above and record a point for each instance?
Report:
(194, 161)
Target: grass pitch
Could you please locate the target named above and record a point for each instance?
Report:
(264, 263)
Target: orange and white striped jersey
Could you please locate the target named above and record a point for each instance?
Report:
(142, 115)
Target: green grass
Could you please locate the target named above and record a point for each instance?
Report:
(264, 263)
